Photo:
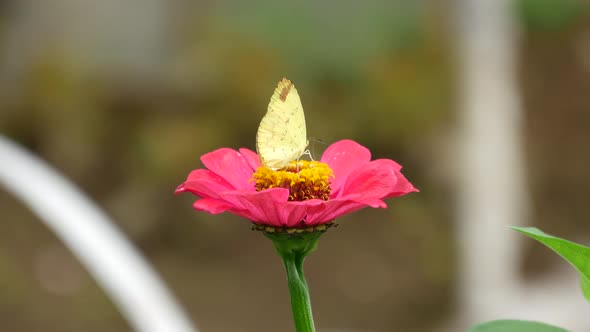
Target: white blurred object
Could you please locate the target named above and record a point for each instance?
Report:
(492, 194)
(115, 264)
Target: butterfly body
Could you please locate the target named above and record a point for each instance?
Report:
(282, 135)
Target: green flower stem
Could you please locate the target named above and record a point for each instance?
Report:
(300, 303)
(293, 248)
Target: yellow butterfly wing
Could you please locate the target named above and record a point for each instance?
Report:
(282, 135)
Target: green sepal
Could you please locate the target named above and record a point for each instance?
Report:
(297, 244)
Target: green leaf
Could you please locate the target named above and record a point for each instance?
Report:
(514, 326)
(577, 255)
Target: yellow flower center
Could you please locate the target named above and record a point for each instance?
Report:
(304, 179)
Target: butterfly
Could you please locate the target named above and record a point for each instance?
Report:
(282, 136)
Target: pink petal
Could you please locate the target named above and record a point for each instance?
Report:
(299, 211)
(343, 157)
(402, 187)
(204, 183)
(331, 210)
(251, 157)
(231, 166)
(376, 179)
(269, 206)
(212, 206)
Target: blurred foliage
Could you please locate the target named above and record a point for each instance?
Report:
(374, 73)
(331, 36)
(381, 73)
(550, 14)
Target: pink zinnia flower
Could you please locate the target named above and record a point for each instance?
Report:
(306, 194)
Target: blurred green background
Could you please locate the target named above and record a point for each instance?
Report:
(123, 97)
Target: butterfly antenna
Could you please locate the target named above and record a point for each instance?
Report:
(317, 140)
